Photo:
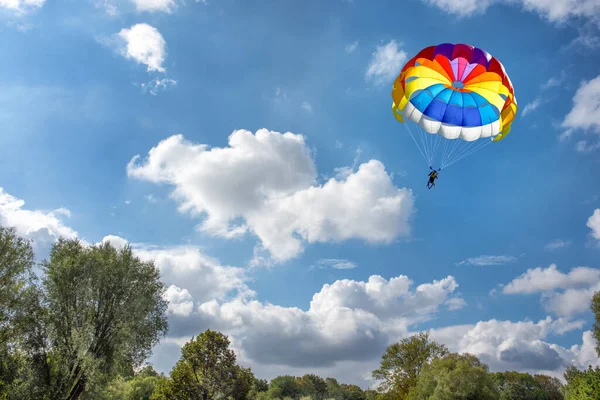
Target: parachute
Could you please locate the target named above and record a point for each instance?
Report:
(459, 97)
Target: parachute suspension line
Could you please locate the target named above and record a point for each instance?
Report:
(424, 143)
(452, 148)
(475, 148)
(460, 149)
(414, 140)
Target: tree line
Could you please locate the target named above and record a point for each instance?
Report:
(81, 325)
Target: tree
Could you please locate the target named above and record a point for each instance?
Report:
(206, 370)
(582, 385)
(454, 376)
(402, 363)
(101, 311)
(550, 387)
(284, 386)
(16, 293)
(513, 385)
(595, 306)
(334, 390)
(353, 392)
(313, 386)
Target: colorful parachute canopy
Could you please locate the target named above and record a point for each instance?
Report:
(457, 91)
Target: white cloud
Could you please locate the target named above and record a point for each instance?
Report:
(487, 260)
(532, 106)
(583, 146)
(307, 106)
(585, 114)
(386, 63)
(154, 5)
(145, 45)
(150, 198)
(268, 181)
(521, 346)
(156, 85)
(202, 276)
(557, 244)
(337, 263)
(22, 6)
(593, 223)
(552, 82)
(545, 279)
(347, 321)
(351, 47)
(339, 144)
(552, 10)
(115, 241)
(456, 303)
(42, 227)
(180, 301)
(578, 287)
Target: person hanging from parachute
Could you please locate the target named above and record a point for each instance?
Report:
(460, 99)
(433, 175)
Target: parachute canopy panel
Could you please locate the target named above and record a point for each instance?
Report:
(455, 91)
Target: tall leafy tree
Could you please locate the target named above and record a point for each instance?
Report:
(454, 376)
(16, 264)
(206, 370)
(313, 386)
(103, 310)
(595, 306)
(582, 385)
(402, 362)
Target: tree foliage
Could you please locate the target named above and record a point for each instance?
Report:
(514, 385)
(595, 306)
(402, 362)
(455, 376)
(582, 385)
(206, 370)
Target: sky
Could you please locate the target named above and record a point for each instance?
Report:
(249, 149)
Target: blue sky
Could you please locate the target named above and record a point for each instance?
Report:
(249, 225)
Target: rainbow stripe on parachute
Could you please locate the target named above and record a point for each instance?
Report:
(456, 91)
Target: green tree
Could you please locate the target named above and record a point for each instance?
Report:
(16, 263)
(334, 390)
(353, 392)
(454, 376)
(582, 385)
(514, 385)
(101, 311)
(595, 306)
(551, 388)
(402, 362)
(206, 370)
(284, 386)
(313, 386)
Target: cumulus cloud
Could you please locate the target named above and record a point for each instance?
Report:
(22, 6)
(585, 114)
(593, 223)
(386, 62)
(487, 260)
(554, 11)
(521, 346)
(42, 227)
(346, 321)
(144, 44)
(180, 301)
(578, 287)
(154, 5)
(268, 181)
(544, 279)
